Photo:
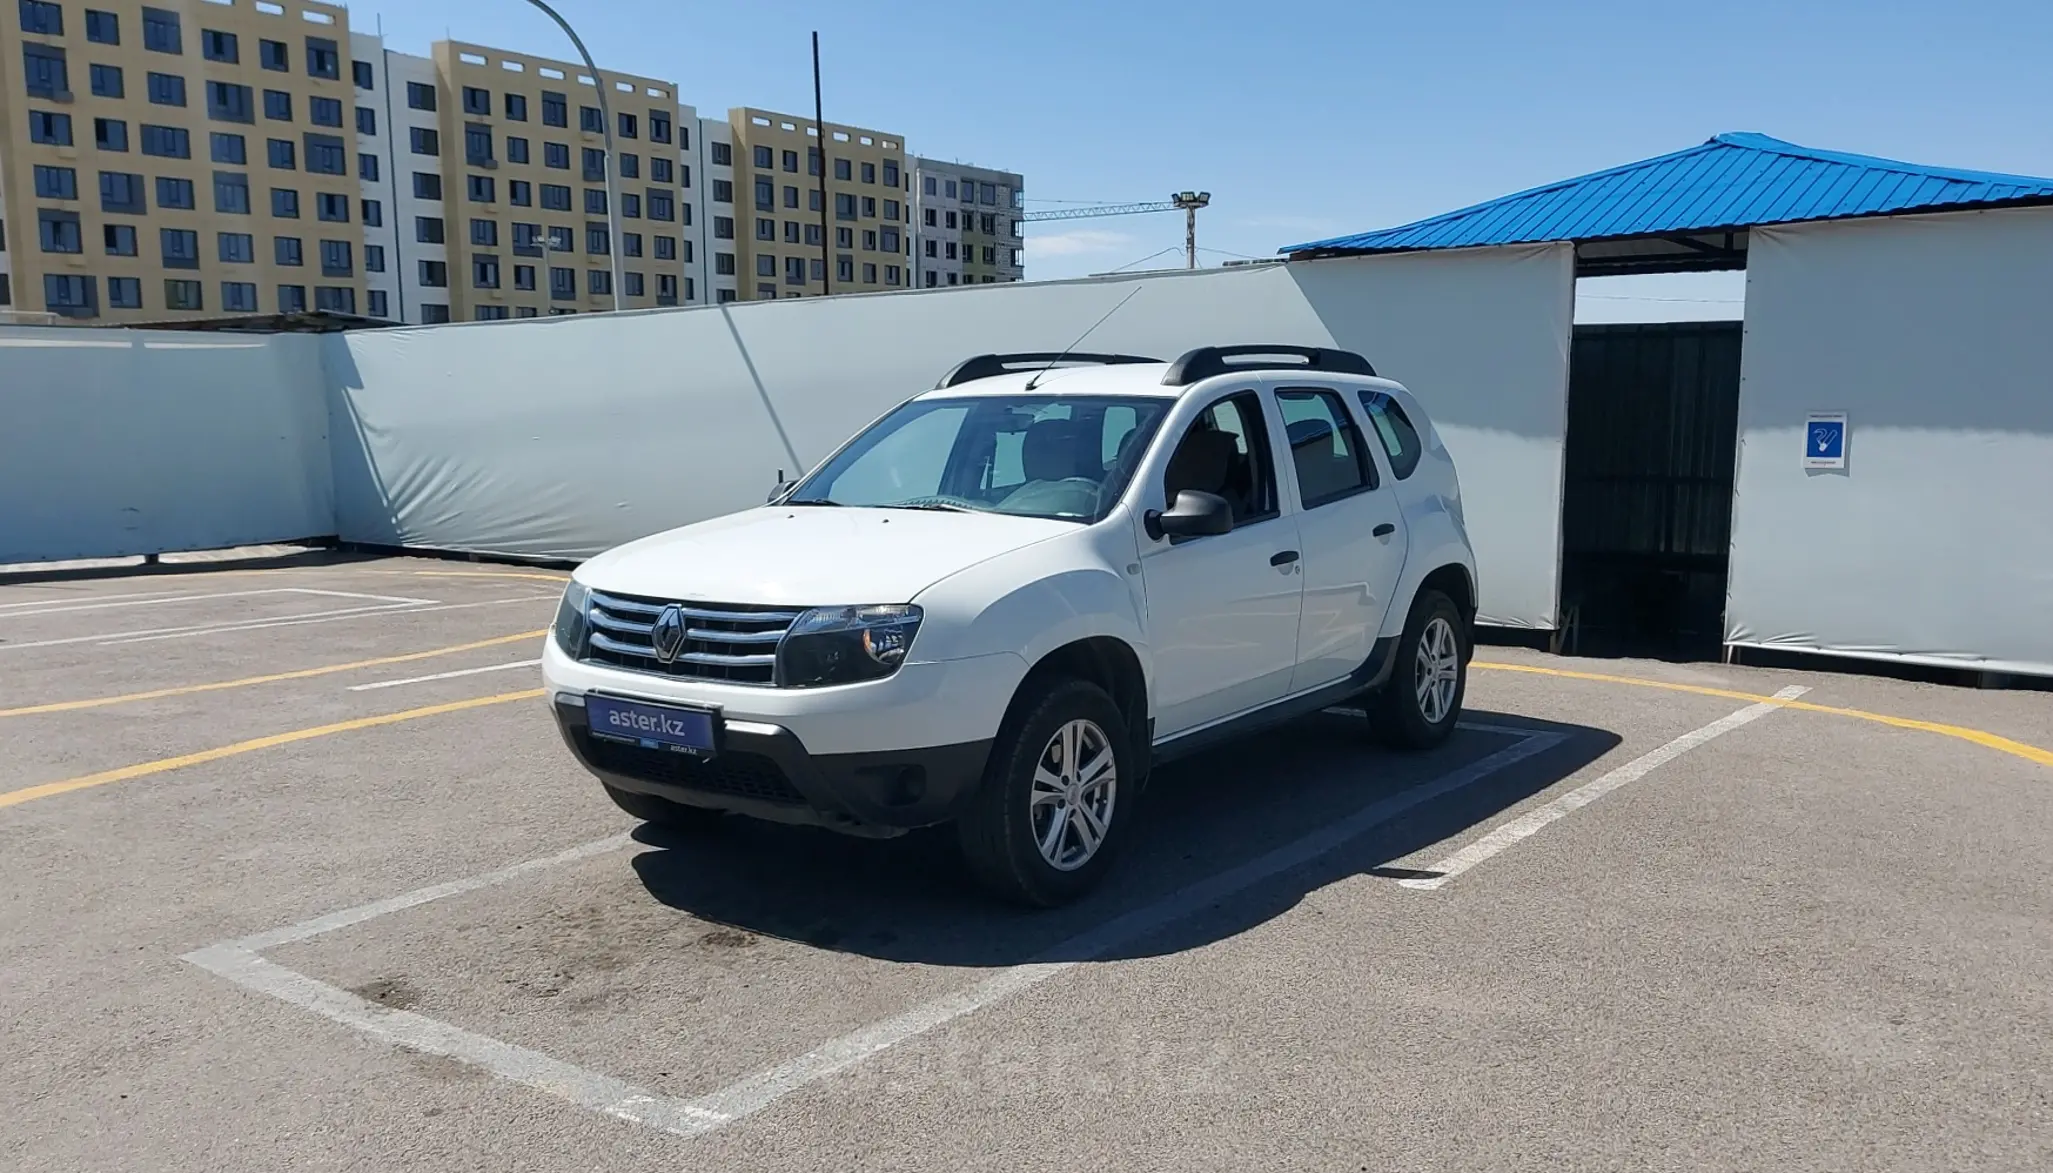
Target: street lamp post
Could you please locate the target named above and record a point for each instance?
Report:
(606, 117)
(1190, 202)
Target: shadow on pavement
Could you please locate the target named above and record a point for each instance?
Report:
(911, 900)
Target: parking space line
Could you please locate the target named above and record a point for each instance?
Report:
(239, 961)
(1981, 737)
(1530, 823)
(443, 675)
(103, 638)
(492, 574)
(68, 606)
(143, 769)
(271, 678)
(317, 617)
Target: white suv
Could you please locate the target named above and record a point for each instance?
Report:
(1007, 599)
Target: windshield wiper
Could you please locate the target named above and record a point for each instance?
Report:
(937, 506)
(813, 501)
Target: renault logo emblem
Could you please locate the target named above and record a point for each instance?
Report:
(666, 638)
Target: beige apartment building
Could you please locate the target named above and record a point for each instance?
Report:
(188, 160)
(776, 207)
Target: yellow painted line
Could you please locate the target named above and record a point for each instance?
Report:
(1997, 742)
(272, 678)
(48, 789)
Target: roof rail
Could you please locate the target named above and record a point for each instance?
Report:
(984, 366)
(1206, 361)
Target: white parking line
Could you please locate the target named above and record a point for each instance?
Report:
(66, 607)
(135, 637)
(1530, 823)
(443, 675)
(240, 962)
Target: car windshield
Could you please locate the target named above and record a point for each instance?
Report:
(1033, 456)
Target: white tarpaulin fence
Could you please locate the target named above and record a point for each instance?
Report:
(121, 442)
(561, 438)
(1934, 544)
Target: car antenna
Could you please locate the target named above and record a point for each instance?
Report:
(1080, 339)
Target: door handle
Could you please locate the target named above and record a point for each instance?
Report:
(1283, 558)
(1383, 531)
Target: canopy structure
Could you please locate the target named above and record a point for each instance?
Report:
(1689, 211)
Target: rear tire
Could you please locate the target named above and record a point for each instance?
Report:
(671, 816)
(1418, 706)
(1057, 794)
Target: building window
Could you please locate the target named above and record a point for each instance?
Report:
(56, 183)
(360, 72)
(326, 155)
(723, 154)
(50, 128)
(630, 206)
(841, 169)
(660, 170)
(988, 224)
(324, 58)
(723, 296)
(723, 264)
(484, 273)
(766, 195)
(869, 240)
(434, 313)
(59, 231)
(490, 313)
(374, 258)
(556, 197)
(105, 80)
(659, 127)
(630, 166)
(890, 174)
(766, 228)
(366, 120)
(420, 96)
(375, 304)
(520, 193)
(666, 248)
(683, 210)
(597, 240)
(231, 193)
(278, 105)
(590, 120)
(794, 270)
(175, 193)
(631, 284)
(434, 274)
(373, 213)
(427, 185)
(844, 268)
(181, 247)
(480, 189)
(954, 279)
(102, 28)
(562, 283)
(516, 149)
(869, 273)
(951, 220)
(555, 109)
(891, 210)
(484, 232)
(869, 207)
(477, 145)
(556, 155)
(630, 244)
(932, 249)
(292, 299)
(125, 293)
(892, 274)
(228, 102)
(324, 111)
(427, 229)
(527, 239)
(367, 167)
(46, 75)
(890, 240)
(235, 248)
(524, 277)
(335, 299)
(791, 232)
(869, 173)
(844, 206)
(121, 191)
(477, 101)
(42, 17)
(763, 158)
(332, 207)
(516, 108)
(119, 239)
(595, 165)
(627, 125)
(987, 193)
(216, 45)
(160, 31)
(281, 153)
(223, 147)
(561, 239)
(285, 203)
(424, 140)
(990, 255)
(951, 250)
(111, 134)
(69, 295)
(723, 227)
(723, 191)
(599, 280)
(274, 56)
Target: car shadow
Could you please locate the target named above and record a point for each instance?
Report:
(1274, 810)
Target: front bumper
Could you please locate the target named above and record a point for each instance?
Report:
(766, 772)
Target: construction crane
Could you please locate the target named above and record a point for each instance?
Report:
(1188, 202)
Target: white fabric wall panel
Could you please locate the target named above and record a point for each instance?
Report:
(564, 437)
(120, 442)
(1935, 543)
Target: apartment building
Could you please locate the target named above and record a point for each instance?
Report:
(776, 204)
(716, 211)
(967, 224)
(183, 161)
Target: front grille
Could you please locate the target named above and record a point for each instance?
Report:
(730, 642)
(741, 775)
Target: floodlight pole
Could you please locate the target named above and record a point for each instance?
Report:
(613, 244)
(1190, 202)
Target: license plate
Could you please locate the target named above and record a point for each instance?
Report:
(664, 727)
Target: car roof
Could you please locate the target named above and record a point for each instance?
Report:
(1128, 380)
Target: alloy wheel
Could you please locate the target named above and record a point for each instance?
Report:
(1076, 781)
(1437, 670)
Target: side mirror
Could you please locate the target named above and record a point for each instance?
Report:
(1195, 514)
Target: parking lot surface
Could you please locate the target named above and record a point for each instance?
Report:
(298, 874)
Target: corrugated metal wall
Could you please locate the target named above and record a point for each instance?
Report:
(1653, 415)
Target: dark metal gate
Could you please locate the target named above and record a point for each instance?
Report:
(1653, 416)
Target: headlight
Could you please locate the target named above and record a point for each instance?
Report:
(569, 628)
(842, 645)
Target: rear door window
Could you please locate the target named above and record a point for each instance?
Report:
(1325, 446)
(1394, 432)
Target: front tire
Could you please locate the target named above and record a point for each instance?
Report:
(1056, 796)
(1418, 706)
(671, 816)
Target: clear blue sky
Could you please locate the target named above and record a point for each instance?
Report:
(1309, 119)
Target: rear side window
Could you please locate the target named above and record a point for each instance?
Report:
(1325, 446)
(1394, 430)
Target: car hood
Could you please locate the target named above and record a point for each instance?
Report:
(812, 555)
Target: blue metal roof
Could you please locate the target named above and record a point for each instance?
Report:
(1733, 181)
